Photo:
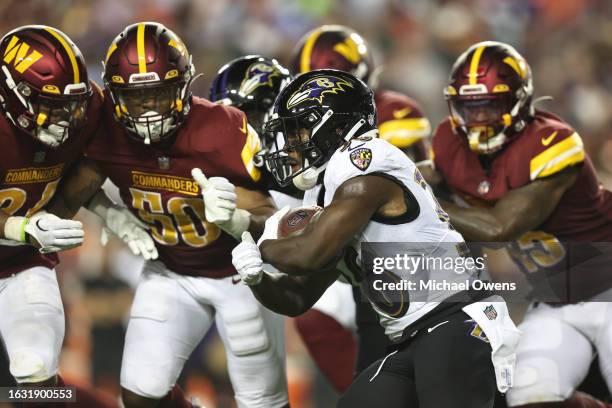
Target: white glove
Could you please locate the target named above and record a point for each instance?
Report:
(247, 260)
(50, 232)
(219, 197)
(121, 222)
(271, 227)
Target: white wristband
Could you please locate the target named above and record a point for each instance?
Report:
(240, 221)
(14, 228)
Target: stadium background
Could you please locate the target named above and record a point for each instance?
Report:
(567, 42)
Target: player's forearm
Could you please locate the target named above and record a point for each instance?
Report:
(293, 295)
(281, 294)
(258, 219)
(297, 255)
(80, 186)
(475, 224)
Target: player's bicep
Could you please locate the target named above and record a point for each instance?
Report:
(526, 208)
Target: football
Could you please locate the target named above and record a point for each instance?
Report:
(297, 219)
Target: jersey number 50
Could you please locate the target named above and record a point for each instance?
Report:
(184, 216)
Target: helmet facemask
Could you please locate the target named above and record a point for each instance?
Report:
(50, 117)
(483, 120)
(309, 139)
(487, 120)
(151, 112)
(57, 118)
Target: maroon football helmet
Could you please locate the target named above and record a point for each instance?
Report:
(148, 71)
(490, 95)
(333, 47)
(44, 88)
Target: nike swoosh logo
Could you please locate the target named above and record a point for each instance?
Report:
(547, 140)
(351, 148)
(236, 280)
(400, 113)
(243, 129)
(436, 326)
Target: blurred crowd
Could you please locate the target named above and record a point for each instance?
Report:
(567, 42)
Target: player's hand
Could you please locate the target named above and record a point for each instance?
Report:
(121, 222)
(219, 197)
(247, 260)
(271, 227)
(50, 233)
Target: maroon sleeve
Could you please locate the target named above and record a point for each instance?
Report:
(239, 144)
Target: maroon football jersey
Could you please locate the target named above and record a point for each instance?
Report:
(562, 243)
(402, 123)
(156, 183)
(31, 173)
(545, 147)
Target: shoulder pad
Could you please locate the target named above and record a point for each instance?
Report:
(553, 146)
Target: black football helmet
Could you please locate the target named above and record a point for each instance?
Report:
(251, 84)
(316, 114)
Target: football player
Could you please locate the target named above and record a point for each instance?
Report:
(327, 329)
(49, 112)
(154, 133)
(251, 84)
(372, 192)
(522, 174)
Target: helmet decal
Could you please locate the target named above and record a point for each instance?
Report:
(42, 72)
(317, 88)
(349, 48)
(518, 64)
(333, 47)
(17, 53)
(258, 74)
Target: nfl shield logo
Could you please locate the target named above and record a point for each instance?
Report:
(490, 312)
(39, 157)
(361, 158)
(296, 218)
(163, 162)
(483, 187)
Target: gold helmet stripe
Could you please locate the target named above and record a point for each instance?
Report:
(68, 48)
(140, 48)
(474, 64)
(307, 50)
(110, 51)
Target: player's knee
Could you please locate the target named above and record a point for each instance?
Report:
(29, 366)
(260, 399)
(246, 333)
(145, 382)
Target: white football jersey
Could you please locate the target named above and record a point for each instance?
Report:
(423, 231)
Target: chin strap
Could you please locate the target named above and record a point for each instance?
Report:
(308, 178)
(354, 130)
